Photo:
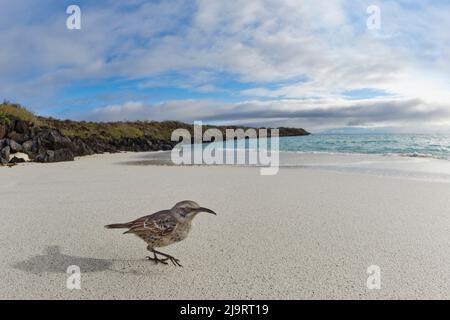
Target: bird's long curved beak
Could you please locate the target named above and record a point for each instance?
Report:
(202, 209)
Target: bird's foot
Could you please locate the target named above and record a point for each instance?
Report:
(157, 260)
(174, 260)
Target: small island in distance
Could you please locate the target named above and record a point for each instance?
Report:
(25, 136)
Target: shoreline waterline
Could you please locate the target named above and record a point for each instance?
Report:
(416, 168)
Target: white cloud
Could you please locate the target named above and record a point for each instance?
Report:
(297, 54)
(318, 114)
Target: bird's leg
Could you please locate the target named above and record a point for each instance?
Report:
(174, 260)
(155, 258)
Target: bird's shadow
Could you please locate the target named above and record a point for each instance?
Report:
(53, 261)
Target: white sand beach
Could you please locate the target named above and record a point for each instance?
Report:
(301, 234)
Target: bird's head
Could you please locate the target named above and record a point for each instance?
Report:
(189, 209)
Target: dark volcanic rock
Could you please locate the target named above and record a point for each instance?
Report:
(16, 160)
(3, 162)
(80, 148)
(3, 131)
(49, 145)
(5, 152)
(98, 145)
(28, 146)
(22, 126)
(15, 147)
(55, 156)
(17, 137)
(166, 146)
(52, 139)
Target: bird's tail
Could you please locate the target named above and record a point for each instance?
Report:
(117, 225)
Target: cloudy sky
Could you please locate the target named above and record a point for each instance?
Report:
(308, 63)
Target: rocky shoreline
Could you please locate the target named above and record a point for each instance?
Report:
(22, 141)
(27, 137)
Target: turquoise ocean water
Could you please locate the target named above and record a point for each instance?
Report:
(416, 156)
(419, 145)
(410, 145)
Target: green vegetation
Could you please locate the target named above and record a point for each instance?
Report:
(14, 111)
(4, 120)
(109, 131)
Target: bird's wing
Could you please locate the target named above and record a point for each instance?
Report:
(160, 223)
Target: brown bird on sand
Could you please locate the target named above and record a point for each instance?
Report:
(164, 227)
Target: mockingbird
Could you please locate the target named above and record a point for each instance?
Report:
(164, 227)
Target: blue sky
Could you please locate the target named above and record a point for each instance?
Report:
(313, 64)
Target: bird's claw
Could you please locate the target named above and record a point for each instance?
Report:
(163, 261)
(175, 262)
